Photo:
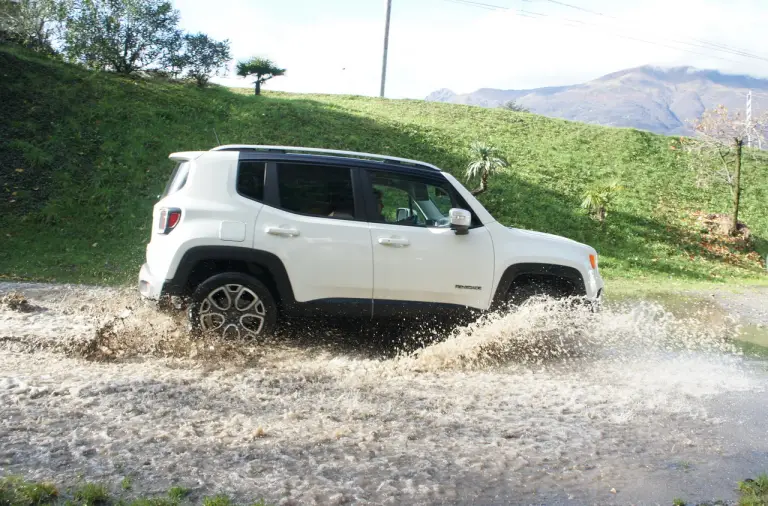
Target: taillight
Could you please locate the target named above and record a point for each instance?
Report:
(169, 218)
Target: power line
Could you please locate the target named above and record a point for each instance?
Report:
(638, 39)
(581, 9)
(532, 14)
(706, 44)
(479, 4)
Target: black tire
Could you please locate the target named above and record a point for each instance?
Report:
(216, 307)
(519, 293)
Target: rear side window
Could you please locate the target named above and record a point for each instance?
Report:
(317, 190)
(177, 180)
(250, 180)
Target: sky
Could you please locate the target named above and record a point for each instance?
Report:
(335, 46)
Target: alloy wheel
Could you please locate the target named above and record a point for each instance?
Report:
(234, 311)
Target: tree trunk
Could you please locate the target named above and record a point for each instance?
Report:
(601, 214)
(736, 189)
(483, 184)
(257, 87)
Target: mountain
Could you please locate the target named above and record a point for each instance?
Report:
(657, 99)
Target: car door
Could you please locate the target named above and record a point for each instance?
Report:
(314, 223)
(417, 257)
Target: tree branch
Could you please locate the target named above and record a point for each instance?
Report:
(727, 173)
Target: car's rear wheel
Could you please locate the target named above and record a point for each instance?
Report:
(233, 305)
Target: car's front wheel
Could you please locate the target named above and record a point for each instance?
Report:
(233, 305)
(527, 288)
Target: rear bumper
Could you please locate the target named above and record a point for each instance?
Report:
(150, 287)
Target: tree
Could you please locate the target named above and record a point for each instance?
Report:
(202, 57)
(485, 161)
(263, 68)
(33, 24)
(174, 61)
(716, 151)
(122, 35)
(511, 105)
(598, 198)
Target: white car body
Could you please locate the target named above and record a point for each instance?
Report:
(328, 260)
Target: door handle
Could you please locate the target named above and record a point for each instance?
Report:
(394, 241)
(282, 232)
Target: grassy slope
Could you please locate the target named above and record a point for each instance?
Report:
(84, 155)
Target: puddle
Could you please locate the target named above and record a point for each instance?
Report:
(748, 312)
(644, 402)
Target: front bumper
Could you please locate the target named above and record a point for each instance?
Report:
(596, 303)
(150, 287)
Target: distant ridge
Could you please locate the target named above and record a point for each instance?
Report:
(658, 99)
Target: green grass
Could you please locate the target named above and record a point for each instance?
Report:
(178, 493)
(92, 494)
(754, 492)
(87, 155)
(15, 491)
(640, 287)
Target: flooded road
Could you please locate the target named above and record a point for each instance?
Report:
(647, 401)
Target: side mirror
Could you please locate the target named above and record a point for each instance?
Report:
(461, 219)
(402, 213)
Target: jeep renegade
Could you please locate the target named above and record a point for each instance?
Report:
(253, 234)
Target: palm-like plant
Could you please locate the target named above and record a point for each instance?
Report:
(599, 197)
(485, 160)
(263, 68)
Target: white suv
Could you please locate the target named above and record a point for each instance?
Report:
(251, 234)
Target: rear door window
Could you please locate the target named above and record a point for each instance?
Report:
(250, 179)
(316, 190)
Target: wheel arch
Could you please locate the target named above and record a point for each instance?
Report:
(201, 262)
(522, 271)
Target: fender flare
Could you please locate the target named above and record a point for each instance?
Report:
(514, 271)
(269, 262)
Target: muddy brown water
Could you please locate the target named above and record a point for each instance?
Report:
(646, 401)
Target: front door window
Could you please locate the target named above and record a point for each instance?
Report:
(411, 201)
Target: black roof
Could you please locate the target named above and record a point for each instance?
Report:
(344, 158)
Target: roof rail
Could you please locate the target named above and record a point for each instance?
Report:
(295, 149)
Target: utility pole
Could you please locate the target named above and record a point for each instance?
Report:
(749, 119)
(386, 43)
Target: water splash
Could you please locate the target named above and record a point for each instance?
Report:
(547, 331)
(543, 331)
